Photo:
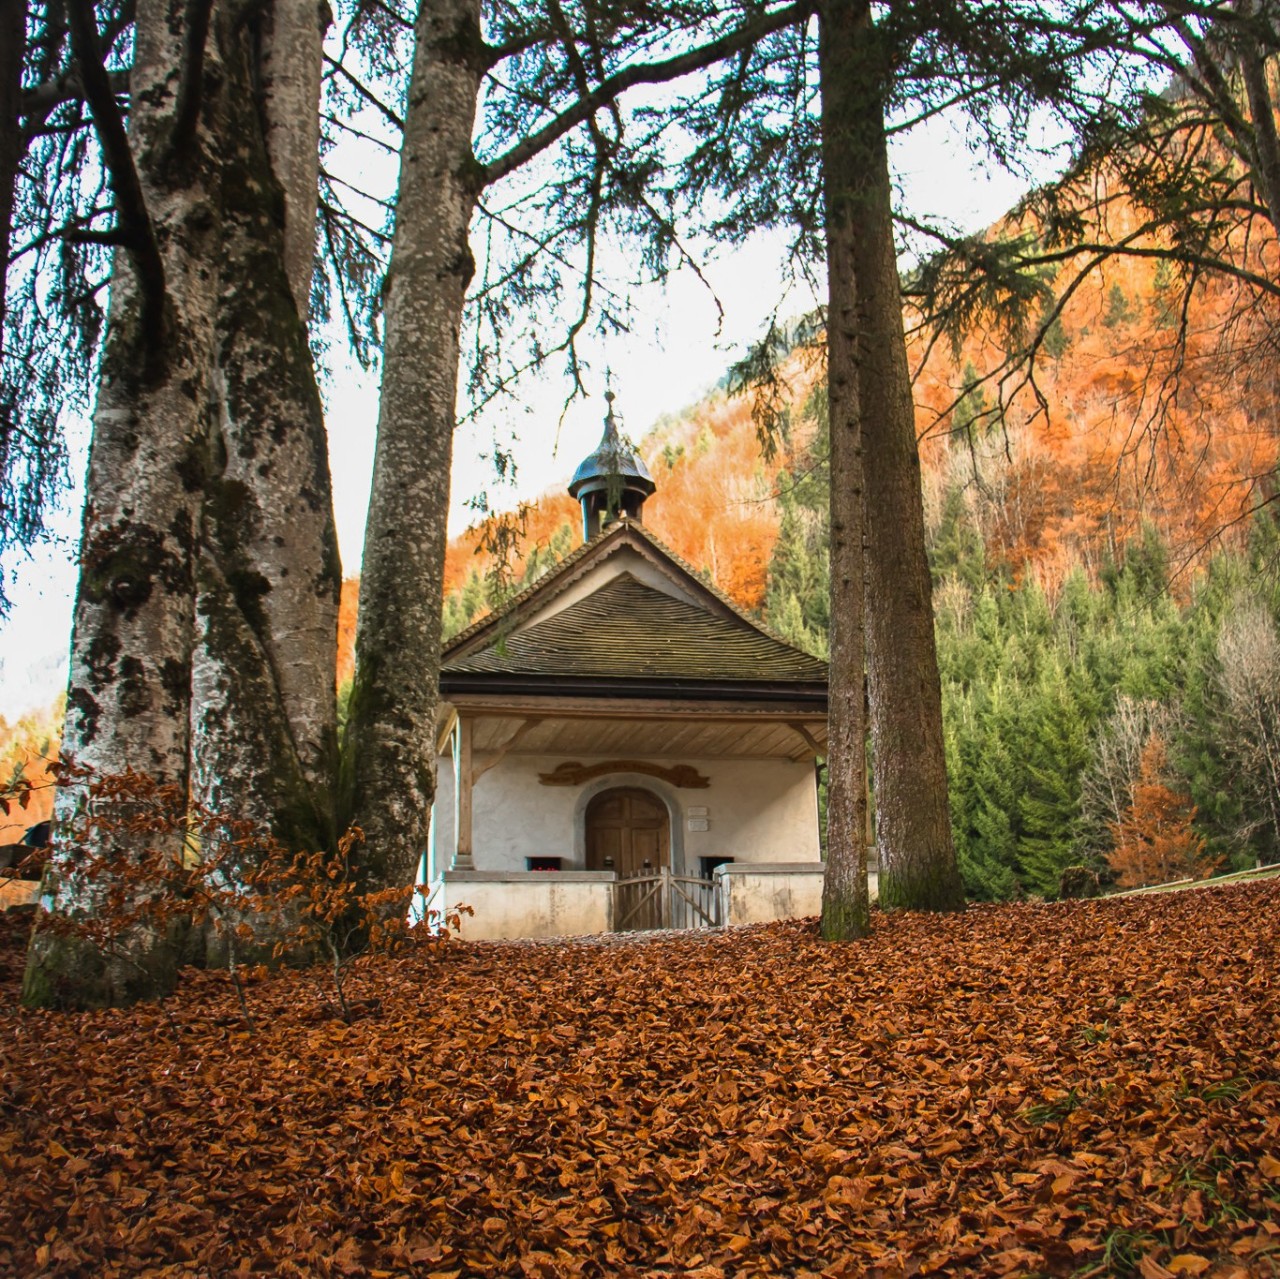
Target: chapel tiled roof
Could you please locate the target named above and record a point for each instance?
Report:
(628, 630)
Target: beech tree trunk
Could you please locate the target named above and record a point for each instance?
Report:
(263, 701)
(390, 748)
(130, 680)
(845, 904)
(206, 623)
(291, 64)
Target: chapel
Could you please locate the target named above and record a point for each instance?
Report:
(622, 722)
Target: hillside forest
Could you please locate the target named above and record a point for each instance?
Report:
(1106, 573)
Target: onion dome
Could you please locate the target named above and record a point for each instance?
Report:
(610, 482)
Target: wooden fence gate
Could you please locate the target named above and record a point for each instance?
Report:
(662, 900)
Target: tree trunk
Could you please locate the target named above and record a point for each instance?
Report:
(209, 475)
(263, 704)
(845, 905)
(13, 43)
(127, 703)
(918, 869)
(291, 64)
(1262, 113)
(390, 747)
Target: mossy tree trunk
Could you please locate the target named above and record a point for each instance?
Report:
(390, 746)
(206, 617)
(263, 703)
(130, 680)
(845, 905)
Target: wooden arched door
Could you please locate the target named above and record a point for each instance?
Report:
(628, 832)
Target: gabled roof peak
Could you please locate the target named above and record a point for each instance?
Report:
(623, 533)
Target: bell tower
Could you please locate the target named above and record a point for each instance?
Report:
(610, 482)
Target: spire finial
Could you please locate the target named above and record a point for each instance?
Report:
(610, 422)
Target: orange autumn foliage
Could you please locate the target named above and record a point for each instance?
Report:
(1135, 427)
(27, 748)
(1156, 842)
(347, 603)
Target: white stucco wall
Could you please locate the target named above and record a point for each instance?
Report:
(756, 811)
(760, 894)
(528, 905)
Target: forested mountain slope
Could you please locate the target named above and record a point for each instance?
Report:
(1106, 559)
(1106, 567)
(1135, 415)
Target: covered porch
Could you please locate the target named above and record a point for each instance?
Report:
(727, 774)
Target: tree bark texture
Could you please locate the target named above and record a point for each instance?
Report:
(13, 43)
(918, 869)
(390, 750)
(845, 904)
(263, 703)
(291, 65)
(130, 681)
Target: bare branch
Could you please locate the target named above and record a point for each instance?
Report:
(751, 31)
(53, 93)
(366, 94)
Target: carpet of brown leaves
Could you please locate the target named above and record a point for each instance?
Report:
(1088, 1088)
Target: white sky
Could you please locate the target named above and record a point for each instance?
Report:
(672, 357)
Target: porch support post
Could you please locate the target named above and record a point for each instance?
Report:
(873, 853)
(463, 779)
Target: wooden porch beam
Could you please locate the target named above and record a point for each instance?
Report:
(496, 757)
(811, 743)
(446, 730)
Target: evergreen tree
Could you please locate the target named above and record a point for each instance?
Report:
(798, 578)
(985, 803)
(955, 547)
(1055, 743)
